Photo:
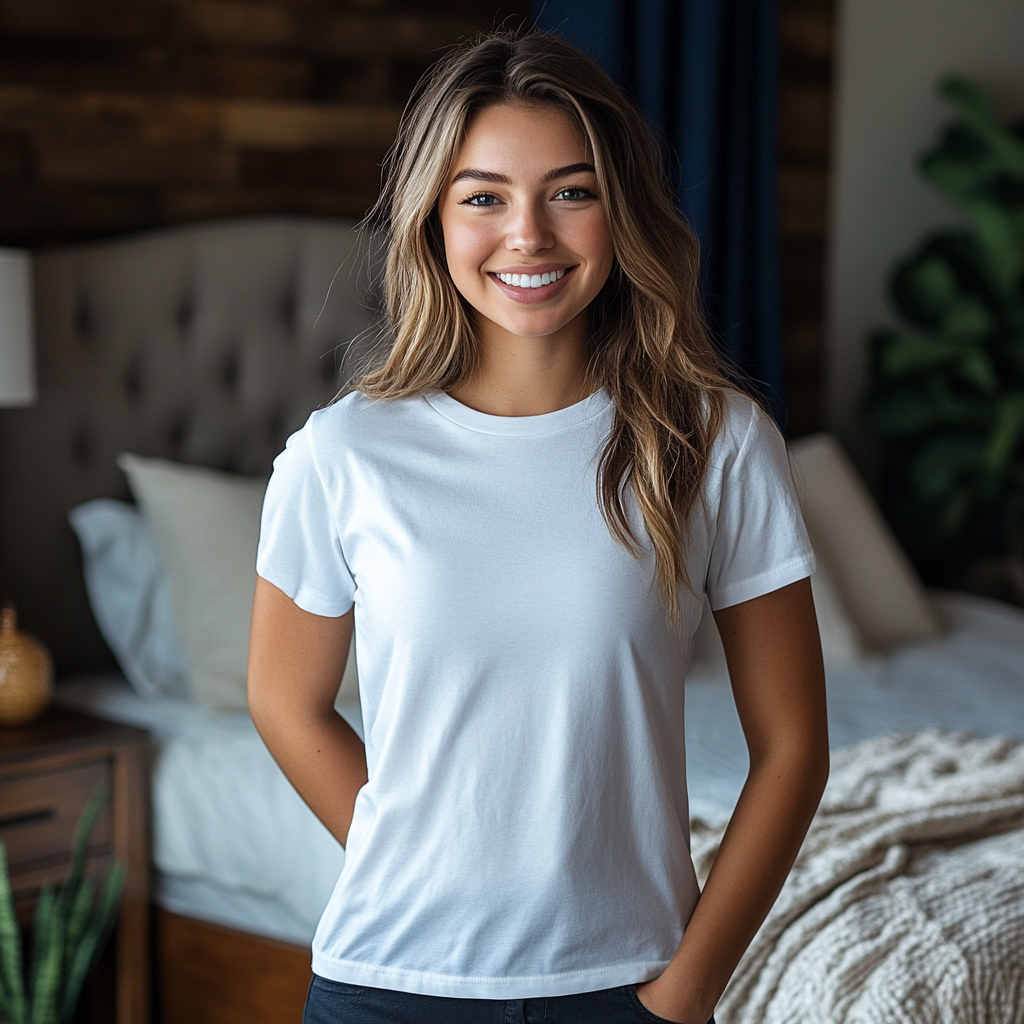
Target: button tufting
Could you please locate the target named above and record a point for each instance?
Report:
(289, 307)
(230, 371)
(83, 319)
(177, 433)
(185, 314)
(82, 448)
(131, 382)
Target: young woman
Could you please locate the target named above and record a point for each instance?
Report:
(519, 513)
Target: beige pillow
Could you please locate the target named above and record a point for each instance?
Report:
(207, 527)
(841, 647)
(874, 578)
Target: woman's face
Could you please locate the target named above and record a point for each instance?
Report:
(525, 230)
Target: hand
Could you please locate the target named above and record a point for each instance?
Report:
(656, 997)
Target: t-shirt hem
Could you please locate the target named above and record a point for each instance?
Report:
(764, 583)
(307, 599)
(425, 983)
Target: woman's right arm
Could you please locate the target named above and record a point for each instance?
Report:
(296, 661)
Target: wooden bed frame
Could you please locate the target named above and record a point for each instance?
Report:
(207, 344)
(207, 974)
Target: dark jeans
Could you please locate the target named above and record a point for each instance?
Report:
(331, 1002)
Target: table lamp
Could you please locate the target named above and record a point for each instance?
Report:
(26, 673)
(17, 331)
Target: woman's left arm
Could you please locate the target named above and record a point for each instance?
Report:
(773, 651)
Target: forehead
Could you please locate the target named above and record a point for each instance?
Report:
(525, 135)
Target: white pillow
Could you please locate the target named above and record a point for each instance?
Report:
(207, 527)
(874, 578)
(130, 596)
(841, 647)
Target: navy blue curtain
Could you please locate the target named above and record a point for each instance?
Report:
(705, 73)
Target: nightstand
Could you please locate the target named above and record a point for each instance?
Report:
(48, 770)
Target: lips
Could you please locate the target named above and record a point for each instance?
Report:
(532, 288)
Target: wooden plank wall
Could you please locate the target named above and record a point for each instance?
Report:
(123, 114)
(805, 70)
(117, 115)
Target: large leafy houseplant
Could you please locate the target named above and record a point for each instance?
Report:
(946, 396)
(70, 930)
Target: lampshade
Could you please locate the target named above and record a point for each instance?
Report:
(17, 329)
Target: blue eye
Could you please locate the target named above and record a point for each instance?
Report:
(575, 194)
(480, 199)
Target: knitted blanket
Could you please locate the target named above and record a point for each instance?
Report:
(906, 903)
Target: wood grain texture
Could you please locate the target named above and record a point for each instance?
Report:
(117, 115)
(805, 104)
(48, 769)
(214, 974)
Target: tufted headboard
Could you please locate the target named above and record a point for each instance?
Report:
(203, 343)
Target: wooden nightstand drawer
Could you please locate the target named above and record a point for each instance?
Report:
(38, 812)
(48, 770)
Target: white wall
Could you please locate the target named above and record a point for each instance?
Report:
(890, 54)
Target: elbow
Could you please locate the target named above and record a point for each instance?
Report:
(820, 771)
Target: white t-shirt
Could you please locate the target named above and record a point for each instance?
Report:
(524, 830)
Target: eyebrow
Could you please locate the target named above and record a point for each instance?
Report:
(470, 174)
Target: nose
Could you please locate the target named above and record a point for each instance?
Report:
(529, 231)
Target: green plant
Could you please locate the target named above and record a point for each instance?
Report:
(70, 930)
(946, 396)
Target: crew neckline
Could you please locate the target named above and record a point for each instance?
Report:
(545, 423)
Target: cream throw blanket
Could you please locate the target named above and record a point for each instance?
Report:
(906, 904)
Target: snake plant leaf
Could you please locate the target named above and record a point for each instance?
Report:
(46, 978)
(42, 928)
(16, 1005)
(943, 462)
(80, 845)
(78, 919)
(1009, 430)
(92, 940)
(71, 926)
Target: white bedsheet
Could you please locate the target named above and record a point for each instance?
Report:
(970, 679)
(234, 843)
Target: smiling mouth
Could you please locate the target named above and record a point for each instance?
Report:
(532, 280)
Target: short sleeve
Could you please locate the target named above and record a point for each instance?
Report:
(760, 543)
(300, 548)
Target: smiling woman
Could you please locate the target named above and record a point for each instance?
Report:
(519, 514)
(529, 254)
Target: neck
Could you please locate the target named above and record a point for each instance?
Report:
(518, 376)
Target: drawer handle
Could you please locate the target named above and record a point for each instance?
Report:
(32, 818)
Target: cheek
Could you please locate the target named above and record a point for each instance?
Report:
(595, 242)
(466, 245)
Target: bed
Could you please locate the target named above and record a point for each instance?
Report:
(206, 345)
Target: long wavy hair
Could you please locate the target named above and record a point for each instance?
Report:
(648, 345)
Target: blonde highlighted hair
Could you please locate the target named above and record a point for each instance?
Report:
(648, 348)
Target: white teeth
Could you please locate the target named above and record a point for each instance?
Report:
(531, 280)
